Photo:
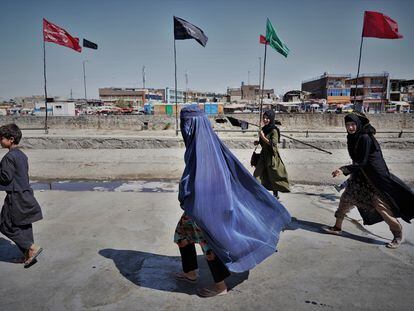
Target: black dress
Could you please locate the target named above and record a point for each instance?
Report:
(370, 176)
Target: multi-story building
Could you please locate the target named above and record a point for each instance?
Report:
(131, 96)
(401, 90)
(295, 96)
(191, 96)
(249, 94)
(170, 96)
(370, 91)
(112, 95)
(331, 87)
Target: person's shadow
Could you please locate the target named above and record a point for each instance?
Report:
(157, 271)
(9, 251)
(317, 227)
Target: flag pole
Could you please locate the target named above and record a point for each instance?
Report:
(44, 75)
(84, 80)
(263, 81)
(260, 72)
(359, 108)
(176, 104)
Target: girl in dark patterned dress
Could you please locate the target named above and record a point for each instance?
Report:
(378, 194)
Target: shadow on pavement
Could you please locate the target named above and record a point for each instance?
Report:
(317, 227)
(157, 271)
(8, 251)
(328, 196)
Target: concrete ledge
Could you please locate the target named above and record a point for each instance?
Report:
(99, 142)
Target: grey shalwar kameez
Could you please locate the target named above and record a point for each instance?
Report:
(20, 207)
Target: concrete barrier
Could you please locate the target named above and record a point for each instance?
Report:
(137, 122)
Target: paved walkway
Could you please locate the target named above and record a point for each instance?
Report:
(114, 251)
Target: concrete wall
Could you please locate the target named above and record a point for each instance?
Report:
(136, 122)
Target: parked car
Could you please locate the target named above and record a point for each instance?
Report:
(332, 109)
(348, 108)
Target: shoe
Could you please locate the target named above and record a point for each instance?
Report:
(209, 292)
(180, 276)
(332, 230)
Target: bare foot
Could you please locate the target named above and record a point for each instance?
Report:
(33, 252)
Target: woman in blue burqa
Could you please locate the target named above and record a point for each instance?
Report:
(234, 219)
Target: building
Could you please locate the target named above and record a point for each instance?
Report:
(234, 94)
(401, 90)
(331, 87)
(401, 94)
(28, 101)
(295, 96)
(129, 96)
(249, 94)
(58, 108)
(133, 97)
(371, 91)
(192, 96)
(170, 96)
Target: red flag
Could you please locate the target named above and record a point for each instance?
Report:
(378, 25)
(55, 34)
(263, 40)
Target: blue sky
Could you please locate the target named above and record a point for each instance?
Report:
(323, 35)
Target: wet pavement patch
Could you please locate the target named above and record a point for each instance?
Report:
(163, 186)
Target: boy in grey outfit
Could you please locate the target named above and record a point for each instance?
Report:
(20, 207)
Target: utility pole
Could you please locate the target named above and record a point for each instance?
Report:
(248, 77)
(143, 77)
(186, 86)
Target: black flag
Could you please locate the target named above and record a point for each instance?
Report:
(89, 44)
(241, 123)
(185, 30)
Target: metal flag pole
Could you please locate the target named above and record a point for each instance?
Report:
(84, 79)
(263, 81)
(359, 108)
(260, 72)
(176, 103)
(44, 75)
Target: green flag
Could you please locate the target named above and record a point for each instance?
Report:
(274, 41)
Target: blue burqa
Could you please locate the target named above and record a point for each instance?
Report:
(239, 218)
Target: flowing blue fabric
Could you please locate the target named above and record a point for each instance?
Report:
(240, 219)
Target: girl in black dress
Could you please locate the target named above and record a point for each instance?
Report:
(378, 194)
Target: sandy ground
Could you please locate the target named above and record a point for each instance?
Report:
(303, 165)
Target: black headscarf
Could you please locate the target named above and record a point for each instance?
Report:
(270, 114)
(363, 127)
